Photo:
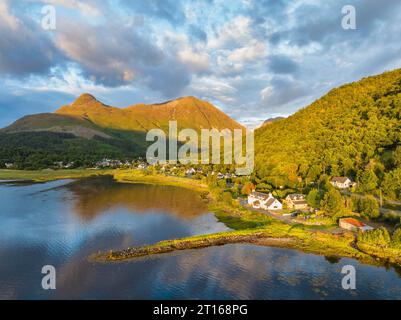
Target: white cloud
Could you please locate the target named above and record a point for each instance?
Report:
(250, 53)
(266, 93)
(236, 32)
(87, 7)
(197, 62)
(213, 88)
(5, 16)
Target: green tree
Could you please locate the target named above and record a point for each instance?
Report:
(369, 207)
(397, 157)
(392, 184)
(367, 181)
(332, 202)
(314, 198)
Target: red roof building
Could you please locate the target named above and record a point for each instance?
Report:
(353, 225)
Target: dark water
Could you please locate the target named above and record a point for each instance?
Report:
(61, 223)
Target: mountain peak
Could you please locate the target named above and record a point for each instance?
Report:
(191, 99)
(144, 117)
(84, 99)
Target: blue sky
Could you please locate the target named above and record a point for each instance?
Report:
(254, 59)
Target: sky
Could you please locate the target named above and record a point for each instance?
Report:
(254, 59)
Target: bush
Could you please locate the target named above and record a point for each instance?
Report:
(396, 238)
(380, 237)
(227, 197)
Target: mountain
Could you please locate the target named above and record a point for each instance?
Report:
(271, 120)
(88, 124)
(189, 112)
(87, 117)
(354, 130)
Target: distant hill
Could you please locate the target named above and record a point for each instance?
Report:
(354, 130)
(107, 131)
(271, 120)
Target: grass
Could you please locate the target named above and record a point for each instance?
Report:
(389, 254)
(239, 218)
(120, 175)
(275, 234)
(138, 176)
(50, 175)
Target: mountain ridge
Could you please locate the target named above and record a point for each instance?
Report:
(189, 112)
(89, 124)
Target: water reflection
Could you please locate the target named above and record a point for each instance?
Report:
(94, 196)
(61, 223)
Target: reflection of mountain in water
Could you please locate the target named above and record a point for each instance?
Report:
(96, 195)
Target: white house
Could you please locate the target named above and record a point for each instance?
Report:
(190, 172)
(264, 201)
(342, 182)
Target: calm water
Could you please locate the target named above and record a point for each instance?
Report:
(61, 223)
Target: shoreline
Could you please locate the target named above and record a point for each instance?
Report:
(251, 237)
(249, 227)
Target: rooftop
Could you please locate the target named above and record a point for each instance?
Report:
(340, 179)
(354, 222)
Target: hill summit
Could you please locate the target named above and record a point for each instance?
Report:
(354, 131)
(84, 99)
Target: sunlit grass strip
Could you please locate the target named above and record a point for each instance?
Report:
(195, 242)
(391, 255)
(50, 175)
(276, 234)
(137, 176)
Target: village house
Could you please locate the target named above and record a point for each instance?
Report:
(258, 200)
(190, 172)
(342, 182)
(109, 163)
(142, 166)
(9, 165)
(296, 201)
(61, 165)
(352, 224)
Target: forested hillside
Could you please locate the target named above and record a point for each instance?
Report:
(354, 130)
(39, 150)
